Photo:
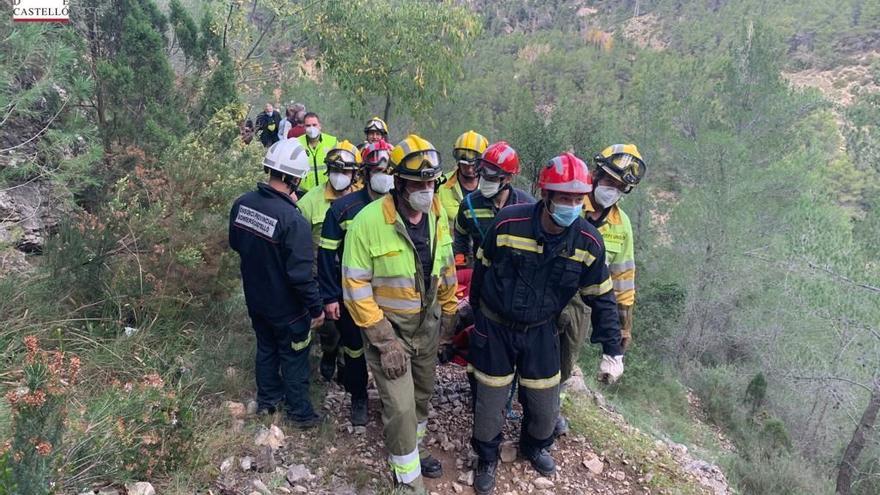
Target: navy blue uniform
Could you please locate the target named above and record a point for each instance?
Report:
(336, 222)
(523, 277)
(476, 214)
(275, 245)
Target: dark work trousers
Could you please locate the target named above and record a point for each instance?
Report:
(354, 377)
(282, 365)
(499, 352)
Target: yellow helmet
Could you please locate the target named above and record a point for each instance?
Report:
(622, 162)
(469, 146)
(376, 124)
(415, 158)
(344, 156)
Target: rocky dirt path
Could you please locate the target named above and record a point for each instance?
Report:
(341, 459)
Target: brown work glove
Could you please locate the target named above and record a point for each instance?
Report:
(392, 355)
(626, 325)
(445, 352)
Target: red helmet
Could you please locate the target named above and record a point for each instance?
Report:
(503, 156)
(566, 173)
(375, 153)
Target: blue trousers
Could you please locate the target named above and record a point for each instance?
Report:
(282, 365)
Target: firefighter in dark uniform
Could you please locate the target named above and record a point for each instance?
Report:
(534, 259)
(377, 182)
(497, 167)
(273, 240)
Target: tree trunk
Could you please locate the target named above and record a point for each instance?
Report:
(857, 442)
(387, 107)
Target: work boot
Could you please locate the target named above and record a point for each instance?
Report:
(484, 478)
(328, 366)
(561, 427)
(264, 411)
(542, 461)
(358, 412)
(431, 467)
(307, 423)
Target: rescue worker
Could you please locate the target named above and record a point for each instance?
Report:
(534, 259)
(496, 168)
(316, 144)
(463, 180)
(398, 282)
(343, 163)
(378, 182)
(270, 235)
(618, 169)
(376, 130)
(267, 125)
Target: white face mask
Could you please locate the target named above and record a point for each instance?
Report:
(422, 200)
(313, 132)
(381, 182)
(488, 188)
(339, 181)
(606, 196)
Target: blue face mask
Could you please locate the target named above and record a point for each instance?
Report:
(565, 215)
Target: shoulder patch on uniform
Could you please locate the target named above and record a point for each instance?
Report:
(254, 220)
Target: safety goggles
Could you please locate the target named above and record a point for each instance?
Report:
(420, 161)
(375, 125)
(341, 159)
(625, 168)
(488, 171)
(378, 158)
(463, 155)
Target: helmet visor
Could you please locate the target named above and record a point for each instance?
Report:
(377, 158)
(375, 125)
(463, 155)
(626, 168)
(341, 159)
(422, 165)
(490, 171)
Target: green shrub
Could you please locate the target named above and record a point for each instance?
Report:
(131, 431)
(39, 411)
(783, 475)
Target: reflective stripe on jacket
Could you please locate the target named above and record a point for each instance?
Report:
(617, 232)
(451, 194)
(336, 222)
(471, 225)
(381, 277)
(317, 168)
(524, 284)
(314, 206)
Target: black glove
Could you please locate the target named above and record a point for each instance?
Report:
(446, 353)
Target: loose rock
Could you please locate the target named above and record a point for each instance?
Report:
(542, 483)
(140, 488)
(236, 409)
(298, 473)
(594, 464)
(226, 465)
(508, 452)
(272, 437)
(265, 461)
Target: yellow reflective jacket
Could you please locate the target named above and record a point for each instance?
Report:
(314, 206)
(381, 277)
(450, 196)
(617, 232)
(317, 168)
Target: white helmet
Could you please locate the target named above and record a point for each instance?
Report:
(287, 157)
